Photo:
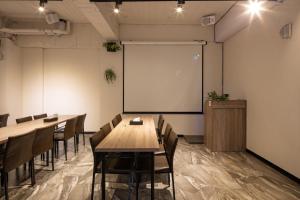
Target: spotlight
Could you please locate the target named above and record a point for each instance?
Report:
(117, 7)
(42, 5)
(255, 7)
(179, 8)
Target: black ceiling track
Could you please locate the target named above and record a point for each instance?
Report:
(162, 0)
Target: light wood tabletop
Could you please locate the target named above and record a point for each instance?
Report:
(131, 138)
(26, 127)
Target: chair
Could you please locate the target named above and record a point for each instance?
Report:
(80, 129)
(163, 163)
(68, 133)
(3, 120)
(106, 129)
(116, 120)
(159, 128)
(43, 142)
(24, 119)
(162, 146)
(113, 165)
(17, 152)
(41, 116)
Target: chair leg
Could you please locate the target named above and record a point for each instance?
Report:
(83, 138)
(32, 172)
(65, 147)
(47, 158)
(169, 181)
(173, 184)
(75, 146)
(5, 178)
(52, 157)
(93, 184)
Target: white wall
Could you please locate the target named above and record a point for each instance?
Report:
(10, 80)
(264, 69)
(184, 124)
(65, 75)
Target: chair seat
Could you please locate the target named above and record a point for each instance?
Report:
(116, 165)
(160, 161)
(59, 136)
(161, 150)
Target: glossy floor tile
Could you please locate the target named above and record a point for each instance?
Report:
(199, 174)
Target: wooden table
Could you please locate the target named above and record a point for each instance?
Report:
(131, 138)
(26, 127)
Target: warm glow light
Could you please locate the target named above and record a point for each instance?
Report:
(116, 10)
(255, 7)
(41, 9)
(179, 8)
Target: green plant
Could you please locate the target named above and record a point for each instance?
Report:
(112, 46)
(213, 96)
(110, 76)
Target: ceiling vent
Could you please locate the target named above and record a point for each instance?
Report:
(51, 18)
(208, 20)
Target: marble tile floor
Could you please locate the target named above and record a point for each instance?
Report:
(199, 174)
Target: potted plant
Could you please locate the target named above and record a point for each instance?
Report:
(213, 96)
(110, 75)
(112, 46)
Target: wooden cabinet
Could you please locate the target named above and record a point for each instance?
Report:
(225, 125)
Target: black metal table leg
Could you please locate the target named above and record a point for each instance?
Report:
(103, 178)
(152, 175)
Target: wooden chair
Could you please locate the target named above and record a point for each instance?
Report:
(163, 163)
(17, 152)
(162, 146)
(68, 133)
(80, 129)
(43, 142)
(159, 128)
(41, 116)
(3, 120)
(24, 119)
(113, 165)
(116, 120)
(106, 129)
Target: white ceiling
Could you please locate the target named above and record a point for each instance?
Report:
(164, 12)
(28, 9)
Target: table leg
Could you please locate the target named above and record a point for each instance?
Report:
(103, 178)
(152, 175)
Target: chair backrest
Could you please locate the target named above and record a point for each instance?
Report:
(43, 140)
(44, 115)
(115, 122)
(18, 151)
(119, 117)
(161, 125)
(70, 128)
(171, 147)
(106, 129)
(94, 141)
(167, 133)
(80, 123)
(3, 120)
(24, 119)
(160, 118)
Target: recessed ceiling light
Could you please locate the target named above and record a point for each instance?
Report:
(255, 7)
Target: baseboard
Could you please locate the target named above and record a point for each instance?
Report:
(180, 135)
(279, 169)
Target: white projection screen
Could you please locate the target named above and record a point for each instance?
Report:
(163, 78)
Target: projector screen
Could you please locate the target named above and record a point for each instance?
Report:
(163, 78)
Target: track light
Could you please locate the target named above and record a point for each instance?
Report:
(42, 5)
(255, 7)
(117, 7)
(179, 8)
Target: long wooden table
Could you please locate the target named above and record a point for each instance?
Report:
(26, 127)
(131, 138)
